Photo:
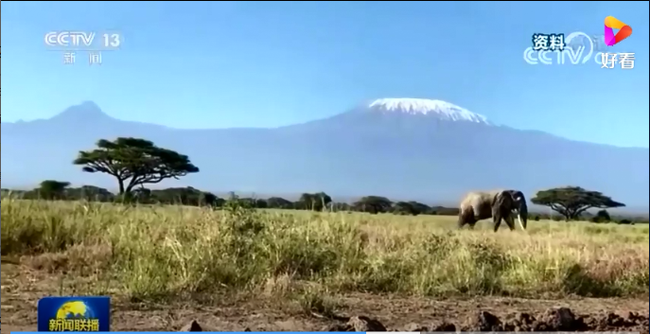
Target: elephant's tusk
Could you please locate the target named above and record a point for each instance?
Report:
(519, 221)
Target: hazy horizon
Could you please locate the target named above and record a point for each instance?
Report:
(252, 127)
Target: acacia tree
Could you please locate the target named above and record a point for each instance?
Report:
(572, 201)
(373, 204)
(134, 162)
(279, 203)
(315, 202)
(52, 189)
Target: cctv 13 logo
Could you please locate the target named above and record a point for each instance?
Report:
(624, 31)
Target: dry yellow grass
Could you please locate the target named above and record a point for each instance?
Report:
(152, 252)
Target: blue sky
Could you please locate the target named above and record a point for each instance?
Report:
(225, 64)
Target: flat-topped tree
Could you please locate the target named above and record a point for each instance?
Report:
(134, 162)
(52, 189)
(572, 201)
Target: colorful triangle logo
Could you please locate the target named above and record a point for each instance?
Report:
(624, 31)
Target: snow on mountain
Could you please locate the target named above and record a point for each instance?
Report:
(440, 109)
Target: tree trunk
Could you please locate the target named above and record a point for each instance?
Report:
(121, 185)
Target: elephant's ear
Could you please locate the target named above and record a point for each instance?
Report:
(498, 202)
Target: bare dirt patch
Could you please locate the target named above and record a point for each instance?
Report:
(22, 287)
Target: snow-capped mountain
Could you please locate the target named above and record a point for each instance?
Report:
(414, 106)
(398, 118)
(413, 149)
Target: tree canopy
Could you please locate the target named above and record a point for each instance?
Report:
(52, 189)
(373, 204)
(410, 208)
(315, 202)
(573, 201)
(279, 202)
(134, 162)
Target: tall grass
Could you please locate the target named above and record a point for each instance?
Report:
(152, 252)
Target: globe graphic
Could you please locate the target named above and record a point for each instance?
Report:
(75, 310)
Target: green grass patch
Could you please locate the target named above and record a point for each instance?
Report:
(157, 252)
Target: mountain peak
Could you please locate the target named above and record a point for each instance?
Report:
(437, 108)
(85, 111)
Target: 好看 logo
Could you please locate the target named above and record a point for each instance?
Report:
(624, 31)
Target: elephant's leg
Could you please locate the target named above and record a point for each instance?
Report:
(466, 218)
(461, 220)
(472, 222)
(510, 221)
(497, 222)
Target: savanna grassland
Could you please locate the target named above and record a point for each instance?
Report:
(296, 270)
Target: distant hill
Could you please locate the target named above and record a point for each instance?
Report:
(425, 150)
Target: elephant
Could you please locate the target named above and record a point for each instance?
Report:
(497, 204)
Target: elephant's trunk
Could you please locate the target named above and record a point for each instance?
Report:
(522, 214)
(522, 209)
